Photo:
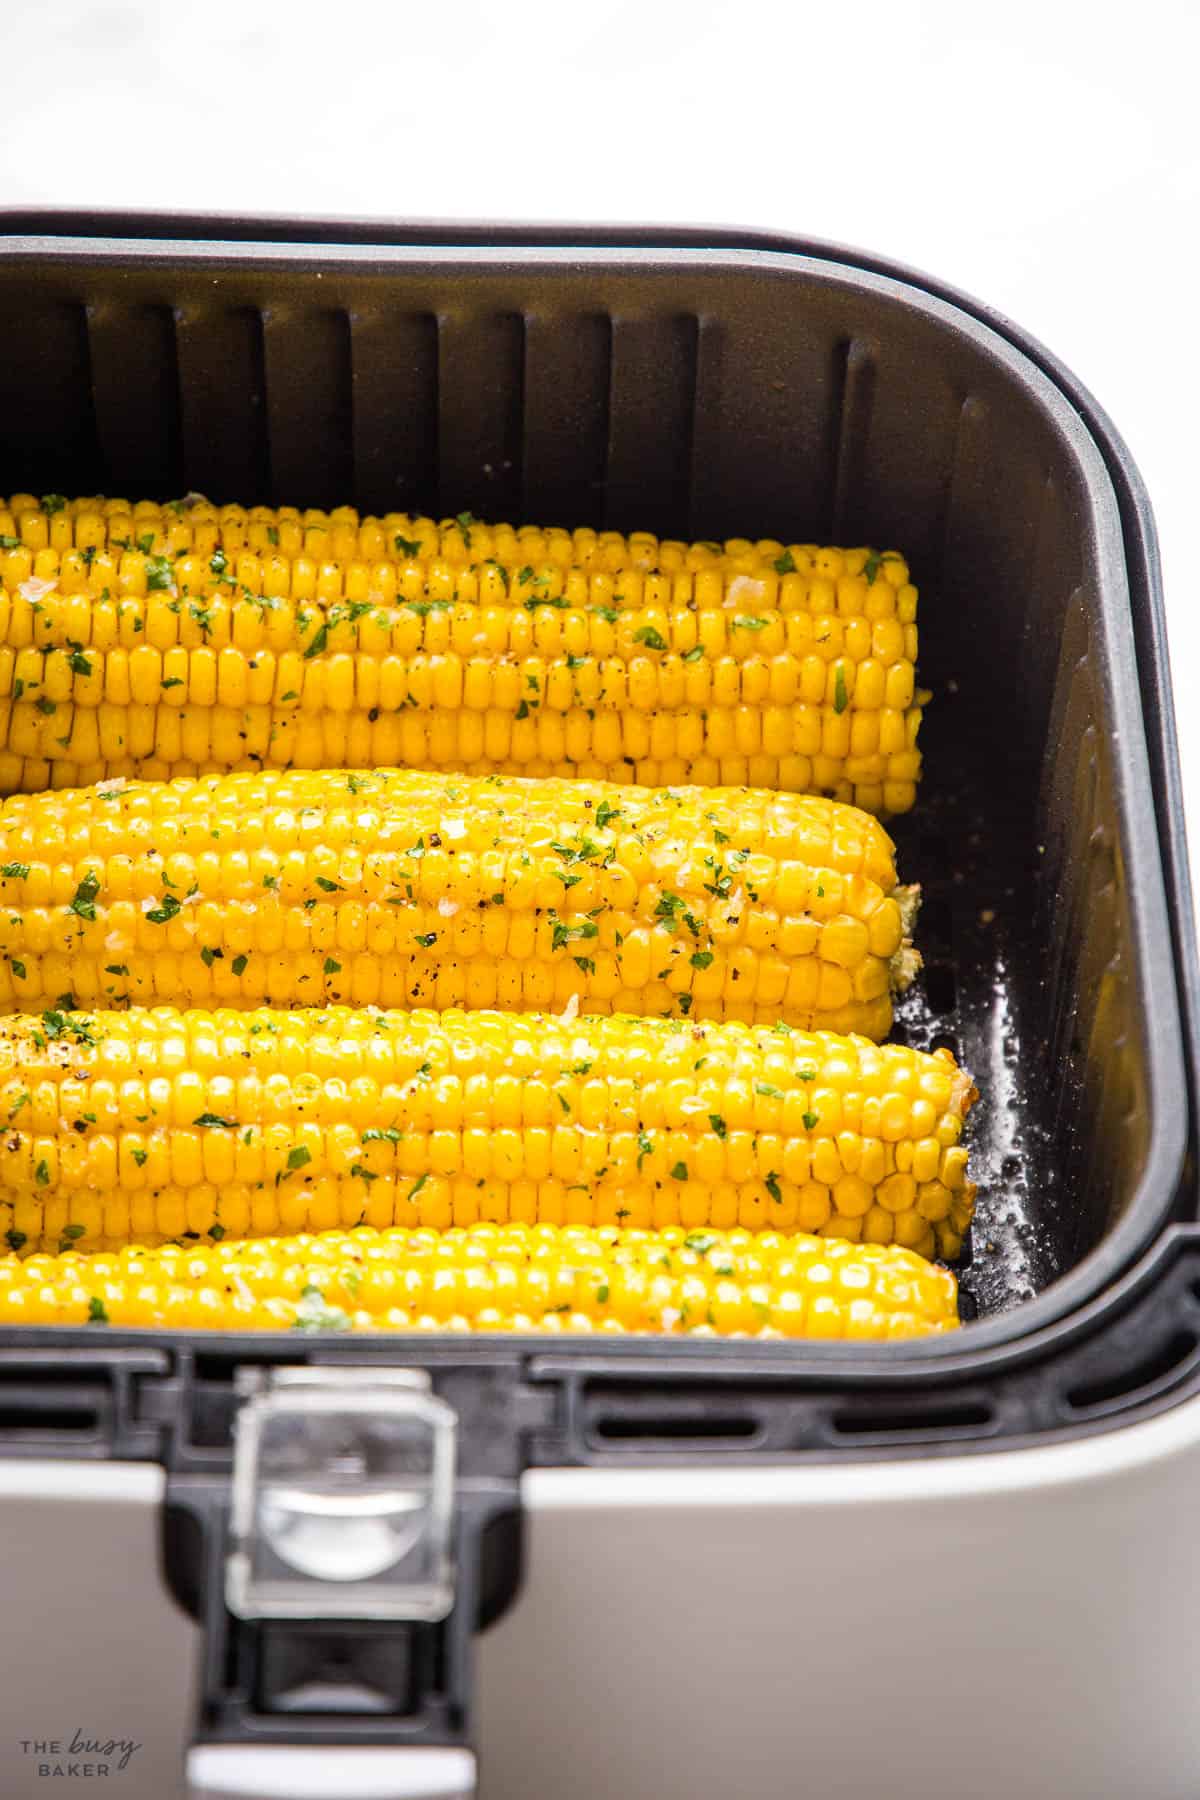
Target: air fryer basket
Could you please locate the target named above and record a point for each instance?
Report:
(709, 392)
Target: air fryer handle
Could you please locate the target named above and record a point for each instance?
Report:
(329, 1772)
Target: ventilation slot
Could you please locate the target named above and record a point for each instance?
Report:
(35, 1418)
(1167, 1366)
(933, 1421)
(616, 1428)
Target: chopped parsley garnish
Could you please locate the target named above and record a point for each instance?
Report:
(47, 708)
(331, 967)
(298, 1157)
(563, 934)
(605, 813)
(718, 1124)
(215, 1119)
(328, 887)
(700, 959)
(679, 1172)
(771, 1093)
(427, 939)
(96, 1313)
(167, 909)
(387, 1135)
(15, 1240)
(651, 637)
(785, 564)
(810, 1121)
(139, 1157)
(871, 567)
(841, 699)
(53, 503)
(772, 1186)
(751, 622)
(14, 871)
(407, 546)
(314, 1313)
(694, 654)
(159, 574)
(239, 964)
(644, 1148)
(41, 1175)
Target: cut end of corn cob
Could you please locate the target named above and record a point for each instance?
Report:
(496, 1278)
(153, 1124)
(415, 889)
(165, 640)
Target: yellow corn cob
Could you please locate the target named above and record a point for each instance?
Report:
(408, 889)
(496, 1278)
(149, 1124)
(776, 666)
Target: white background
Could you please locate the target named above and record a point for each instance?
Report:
(1044, 155)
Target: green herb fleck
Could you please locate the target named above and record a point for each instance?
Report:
(651, 637)
(315, 1314)
(160, 575)
(14, 871)
(298, 1157)
(841, 699)
(785, 564)
(96, 1313)
(168, 909)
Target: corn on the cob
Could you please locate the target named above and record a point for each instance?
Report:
(158, 642)
(400, 888)
(149, 1124)
(496, 1278)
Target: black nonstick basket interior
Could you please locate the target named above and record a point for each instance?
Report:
(699, 392)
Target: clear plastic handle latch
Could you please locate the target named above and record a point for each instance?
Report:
(343, 1496)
